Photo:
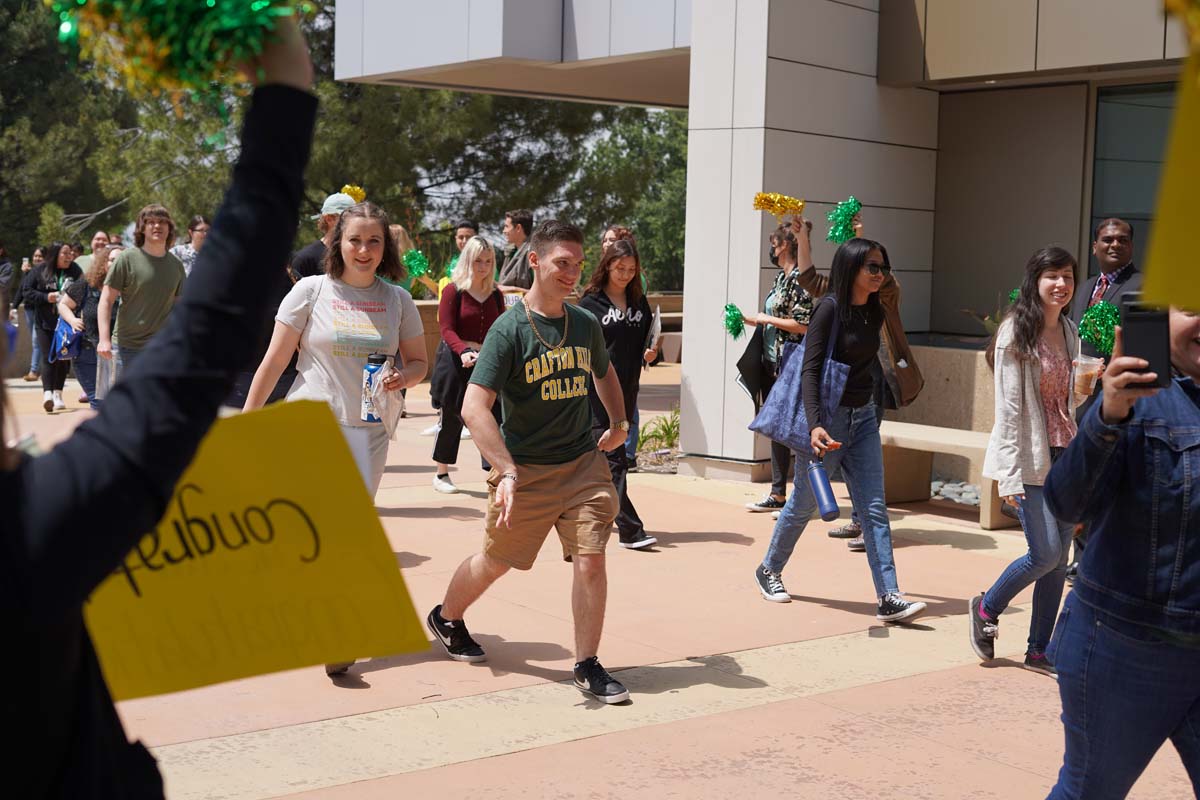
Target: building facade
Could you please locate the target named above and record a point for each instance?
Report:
(973, 132)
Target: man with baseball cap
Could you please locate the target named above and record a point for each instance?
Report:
(310, 260)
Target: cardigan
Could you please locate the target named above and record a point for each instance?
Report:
(1018, 450)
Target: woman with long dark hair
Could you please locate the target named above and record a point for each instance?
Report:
(850, 438)
(48, 284)
(78, 306)
(614, 296)
(789, 309)
(1031, 356)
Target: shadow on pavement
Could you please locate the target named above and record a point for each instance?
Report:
(716, 670)
(959, 540)
(936, 606)
(407, 468)
(670, 539)
(430, 512)
(407, 560)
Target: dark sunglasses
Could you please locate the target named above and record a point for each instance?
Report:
(875, 269)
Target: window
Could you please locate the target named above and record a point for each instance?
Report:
(1132, 125)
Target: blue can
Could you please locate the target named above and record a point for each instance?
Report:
(818, 481)
(375, 364)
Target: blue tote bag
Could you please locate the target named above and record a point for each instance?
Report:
(67, 342)
(782, 418)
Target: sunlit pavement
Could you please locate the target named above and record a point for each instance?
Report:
(730, 694)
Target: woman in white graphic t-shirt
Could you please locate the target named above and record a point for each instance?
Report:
(338, 319)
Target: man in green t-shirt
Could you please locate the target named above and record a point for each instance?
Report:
(147, 280)
(538, 358)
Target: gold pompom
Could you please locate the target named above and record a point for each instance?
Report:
(777, 204)
(357, 192)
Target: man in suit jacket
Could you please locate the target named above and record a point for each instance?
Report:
(1112, 245)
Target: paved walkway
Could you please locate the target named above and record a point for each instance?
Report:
(731, 694)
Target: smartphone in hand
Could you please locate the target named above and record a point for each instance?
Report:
(1145, 334)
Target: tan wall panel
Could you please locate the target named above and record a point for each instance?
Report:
(1176, 39)
(1009, 180)
(902, 42)
(823, 32)
(1077, 33)
(827, 169)
(815, 100)
(979, 37)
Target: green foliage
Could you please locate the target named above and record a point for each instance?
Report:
(69, 138)
(51, 227)
(636, 175)
(660, 433)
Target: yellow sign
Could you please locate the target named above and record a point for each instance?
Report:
(270, 557)
(1171, 273)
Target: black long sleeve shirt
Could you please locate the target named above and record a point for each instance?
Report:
(625, 339)
(857, 345)
(71, 515)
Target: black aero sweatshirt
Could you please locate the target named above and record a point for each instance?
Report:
(857, 345)
(71, 515)
(625, 339)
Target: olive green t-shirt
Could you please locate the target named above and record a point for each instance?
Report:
(148, 286)
(543, 392)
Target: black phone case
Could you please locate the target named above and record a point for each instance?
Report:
(1145, 334)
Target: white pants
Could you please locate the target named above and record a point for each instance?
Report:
(369, 444)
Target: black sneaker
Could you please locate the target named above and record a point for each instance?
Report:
(340, 668)
(983, 632)
(639, 541)
(894, 608)
(770, 585)
(1072, 571)
(857, 545)
(768, 503)
(1037, 662)
(454, 637)
(850, 531)
(593, 679)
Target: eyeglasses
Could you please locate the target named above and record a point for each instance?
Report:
(875, 268)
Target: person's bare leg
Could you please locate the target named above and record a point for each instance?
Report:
(471, 579)
(589, 594)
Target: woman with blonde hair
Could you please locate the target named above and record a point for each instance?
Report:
(470, 303)
(78, 306)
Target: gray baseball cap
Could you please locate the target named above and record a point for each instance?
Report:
(335, 204)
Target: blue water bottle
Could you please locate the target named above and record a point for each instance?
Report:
(375, 364)
(822, 492)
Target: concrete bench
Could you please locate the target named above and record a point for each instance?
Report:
(908, 464)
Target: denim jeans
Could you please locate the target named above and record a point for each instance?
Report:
(1125, 690)
(35, 358)
(85, 370)
(861, 460)
(631, 441)
(123, 357)
(1045, 566)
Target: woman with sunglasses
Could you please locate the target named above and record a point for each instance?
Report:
(789, 309)
(850, 438)
(1031, 356)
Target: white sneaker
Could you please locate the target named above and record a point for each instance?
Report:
(432, 430)
(48, 401)
(466, 434)
(57, 402)
(444, 484)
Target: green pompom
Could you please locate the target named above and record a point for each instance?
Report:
(841, 220)
(416, 262)
(1098, 326)
(178, 46)
(734, 322)
(1014, 295)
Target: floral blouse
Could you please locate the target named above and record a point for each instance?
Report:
(1055, 385)
(786, 300)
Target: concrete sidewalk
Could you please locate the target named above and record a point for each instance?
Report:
(730, 694)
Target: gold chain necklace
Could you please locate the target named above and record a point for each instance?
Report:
(533, 327)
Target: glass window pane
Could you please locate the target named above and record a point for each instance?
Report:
(1132, 123)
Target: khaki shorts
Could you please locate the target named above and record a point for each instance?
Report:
(576, 498)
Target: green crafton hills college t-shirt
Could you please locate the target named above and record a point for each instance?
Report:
(543, 392)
